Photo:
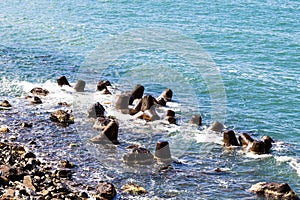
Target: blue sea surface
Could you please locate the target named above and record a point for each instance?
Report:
(254, 46)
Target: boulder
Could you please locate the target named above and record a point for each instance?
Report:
(122, 101)
(267, 140)
(216, 126)
(167, 95)
(147, 102)
(138, 156)
(170, 117)
(105, 191)
(62, 80)
(257, 147)
(102, 87)
(245, 139)
(136, 93)
(109, 134)
(162, 152)
(62, 116)
(97, 110)
(79, 86)
(34, 99)
(196, 119)
(133, 189)
(39, 91)
(229, 138)
(5, 104)
(150, 115)
(136, 108)
(272, 190)
(161, 101)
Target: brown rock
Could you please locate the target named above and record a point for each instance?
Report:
(229, 138)
(245, 139)
(79, 86)
(12, 173)
(136, 108)
(109, 134)
(161, 101)
(136, 93)
(273, 190)
(102, 86)
(97, 110)
(196, 119)
(34, 99)
(62, 80)
(170, 117)
(62, 116)
(147, 102)
(105, 191)
(64, 104)
(267, 140)
(4, 130)
(133, 189)
(257, 147)
(39, 91)
(5, 104)
(167, 95)
(27, 182)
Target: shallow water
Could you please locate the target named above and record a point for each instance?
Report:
(254, 47)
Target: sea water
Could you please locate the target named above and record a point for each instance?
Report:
(252, 48)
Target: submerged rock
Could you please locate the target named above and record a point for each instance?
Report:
(133, 189)
(136, 93)
(62, 80)
(105, 191)
(5, 104)
(139, 156)
(62, 116)
(273, 190)
(39, 91)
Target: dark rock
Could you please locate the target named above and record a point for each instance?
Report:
(170, 117)
(62, 80)
(136, 108)
(170, 113)
(138, 155)
(267, 140)
(133, 189)
(5, 104)
(29, 155)
(63, 173)
(147, 102)
(101, 123)
(26, 125)
(122, 101)
(109, 134)
(62, 116)
(66, 164)
(105, 191)
(136, 93)
(245, 139)
(34, 99)
(196, 119)
(229, 138)
(39, 91)
(97, 110)
(273, 190)
(167, 95)
(64, 104)
(4, 181)
(12, 173)
(257, 147)
(161, 101)
(79, 86)
(102, 86)
(162, 151)
(150, 115)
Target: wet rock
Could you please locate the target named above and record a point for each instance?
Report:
(101, 123)
(133, 189)
(63, 173)
(136, 93)
(109, 134)
(267, 140)
(97, 110)
(139, 156)
(4, 181)
(122, 101)
(147, 102)
(105, 191)
(257, 147)
(136, 108)
(170, 117)
(64, 104)
(216, 126)
(229, 138)
(62, 80)
(39, 91)
(5, 104)
(162, 152)
(167, 95)
(79, 86)
(34, 99)
(245, 139)
(26, 125)
(150, 115)
(102, 87)
(62, 116)
(4, 129)
(27, 182)
(161, 101)
(66, 164)
(196, 119)
(273, 190)
(12, 173)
